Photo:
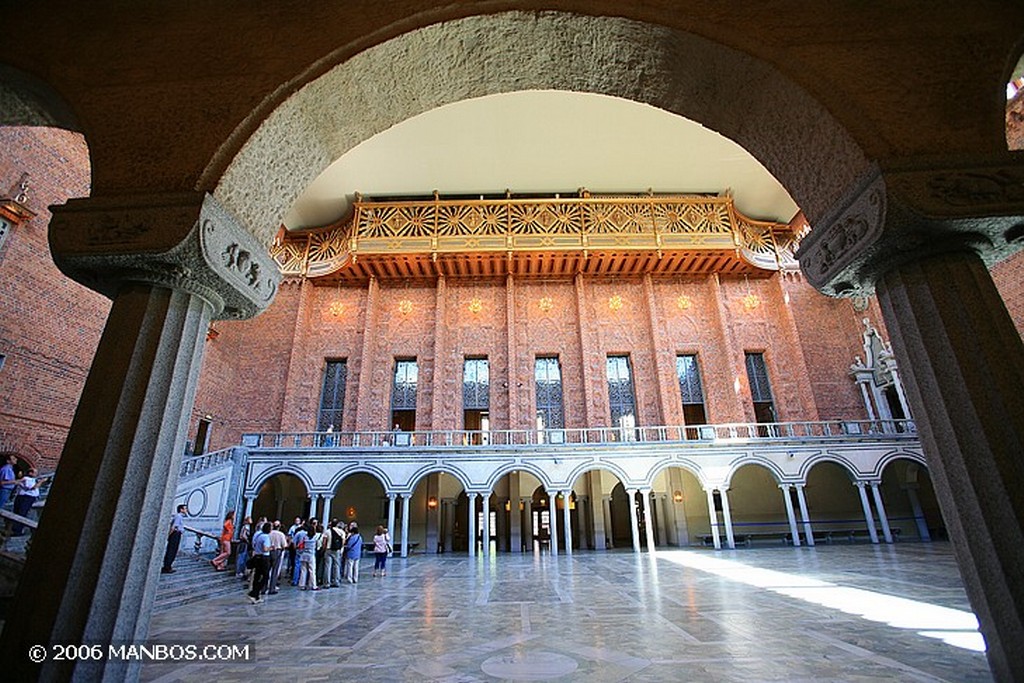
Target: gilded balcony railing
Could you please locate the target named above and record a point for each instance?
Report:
(583, 225)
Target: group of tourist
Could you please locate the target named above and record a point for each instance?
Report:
(315, 556)
(23, 490)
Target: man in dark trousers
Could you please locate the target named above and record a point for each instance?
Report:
(174, 538)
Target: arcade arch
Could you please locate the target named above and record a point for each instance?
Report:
(282, 496)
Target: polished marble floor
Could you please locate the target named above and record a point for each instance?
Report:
(831, 613)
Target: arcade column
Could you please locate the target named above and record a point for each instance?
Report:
(170, 264)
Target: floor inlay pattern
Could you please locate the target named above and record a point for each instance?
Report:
(759, 614)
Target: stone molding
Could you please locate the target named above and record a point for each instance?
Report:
(185, 241)
(906, 214)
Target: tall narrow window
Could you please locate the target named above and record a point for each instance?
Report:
(332, 396)
(476, 392)
(621, 400)
(203, 435)
(760, 389)
(403, 395)
(691, 390)
(547, 376)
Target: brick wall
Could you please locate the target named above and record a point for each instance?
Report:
(50, 325)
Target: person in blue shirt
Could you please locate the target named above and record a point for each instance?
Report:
(353, 553)
(260, 562)
(8, 478)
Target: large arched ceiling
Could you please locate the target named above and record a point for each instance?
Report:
(781, 125)
(543, 141)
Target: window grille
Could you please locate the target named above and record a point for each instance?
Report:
(332, 395)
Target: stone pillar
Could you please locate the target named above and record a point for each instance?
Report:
(883, 519)
(659, 506)
(432, 521)
(327, 508)
(806, 518)
(868, 517)
(645, 496)
(391, 515)
(606, 522)
(515, 520)
(591, 364)
(406, 499)
(730, 539)
(527, 515)
(713, 517)
(567, 519)
(170, 264)
(789, 514)
(449, 523)
(485, 526)
(249, 500)
(634, 524)
(919, 520)
(553, 520)
(471, 523)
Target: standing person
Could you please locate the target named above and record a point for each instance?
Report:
(261, 562)
(243, 546)
(8, 480)
(332, 558)
(293, 553)
(174, 538)
(227, 533)
(305, 544)
(353, 553)
(321, 552)
(27, 493)
(278, 552)
(381, 548)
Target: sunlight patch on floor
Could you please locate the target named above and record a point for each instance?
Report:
(952, 626)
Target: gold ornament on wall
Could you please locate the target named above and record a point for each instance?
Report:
(684, 302)
(750, 301)
(475, 305)
(615, 302)
(336, 309)
(546, 303)
(405, 307)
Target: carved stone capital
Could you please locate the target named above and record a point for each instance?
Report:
(904, 214)
(184, 241)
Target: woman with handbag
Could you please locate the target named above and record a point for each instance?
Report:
(381, 550)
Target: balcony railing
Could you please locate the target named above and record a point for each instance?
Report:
(556, 438)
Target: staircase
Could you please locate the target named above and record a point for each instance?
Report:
(194, 580)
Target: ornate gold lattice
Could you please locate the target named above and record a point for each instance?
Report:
(585, 224)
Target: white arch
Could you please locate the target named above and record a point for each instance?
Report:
(263, 477)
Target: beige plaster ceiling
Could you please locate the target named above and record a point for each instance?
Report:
(543, 141)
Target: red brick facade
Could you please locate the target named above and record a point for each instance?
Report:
(276, 362)
(50, 325)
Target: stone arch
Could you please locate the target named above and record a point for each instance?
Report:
(25, 100)
(846, 464)
(682, 463)
(263, 477)
(423, 69)
(765, 463)
(610, 467)
(892, 456)
(438, 468)
(524, 466)
(376, 472)
(275, 503)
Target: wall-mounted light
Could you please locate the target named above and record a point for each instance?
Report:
(508, 506)
(405, 307)
(351, 512)
(677, 496)
(545, 304)
(336, 309)
(684, 302)
(615, 302)
(475, 305)
(432, 502)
